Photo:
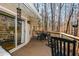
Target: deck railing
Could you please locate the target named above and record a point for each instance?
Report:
(63, 47)
(66, 41)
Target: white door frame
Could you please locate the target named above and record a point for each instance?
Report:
(22, 33)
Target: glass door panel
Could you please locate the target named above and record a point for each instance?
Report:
(7, 32)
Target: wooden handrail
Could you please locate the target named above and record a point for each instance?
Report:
(68, 35)
(61, 33)
(71, 36)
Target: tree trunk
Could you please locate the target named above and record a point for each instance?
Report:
(45, 20)
(71, 13)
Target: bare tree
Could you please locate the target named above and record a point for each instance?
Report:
(65, 18)
(42, 16)
(46, 16)
(76, 27)
(69, 18)
(38, 7)
(52, 14)
(59, 17)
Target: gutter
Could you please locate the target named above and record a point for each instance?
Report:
(33, 10)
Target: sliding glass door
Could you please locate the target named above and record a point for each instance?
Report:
(20, 32)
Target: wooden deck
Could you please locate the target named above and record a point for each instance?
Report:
(34, 48)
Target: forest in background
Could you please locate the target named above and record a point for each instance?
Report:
(59, 17)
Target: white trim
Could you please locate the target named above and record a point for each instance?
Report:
(18, 47)
(16, 31)
(22, 31)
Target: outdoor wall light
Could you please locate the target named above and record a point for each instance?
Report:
(28, 22)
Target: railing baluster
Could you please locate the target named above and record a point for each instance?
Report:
(52, 51)
(52, 46)
(60, 47)
(57, 47)
(68, 50)
(74, 48)
(64, 50)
